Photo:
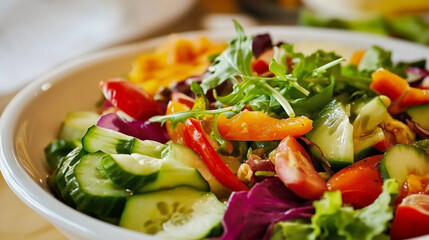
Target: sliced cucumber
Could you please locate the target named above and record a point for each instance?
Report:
(173, 174)
(402, 159)
(57, 150)
(189, 158)
(179, 213)
(333, 133)
(363, 146)
(112, 142)
(369, 116)
(92, 191)
(76, 124)
(57, 181)
(131, 171)
(420, 114)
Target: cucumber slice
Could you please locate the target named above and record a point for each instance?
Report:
(92, 191)
(76, 123)
(402, 159)
(172, 175)
(112, 142)
(57, 150)
(131, 171)
(420, 114)
(363, 146)
(179, 213)
(189, 158)
(333, 133)
(369, 116)
(57, 181)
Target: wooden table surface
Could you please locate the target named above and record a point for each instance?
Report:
(18, 221)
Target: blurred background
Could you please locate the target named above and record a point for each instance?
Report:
(38, 35)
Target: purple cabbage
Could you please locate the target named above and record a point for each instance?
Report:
(260, 165)
(415, 127)
(138, 129)
(252, 214)
(415, 75)
(261, 43)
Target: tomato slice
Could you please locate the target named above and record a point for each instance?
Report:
(411, 218)
(260, 66)
(360, 184)
(182, 98)
(295, 169)
(197, 140)
(130, 98)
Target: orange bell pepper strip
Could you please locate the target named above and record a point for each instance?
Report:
(357, 57)
(389, 84)
(258, 126)
(398, 90)
(176, 135)
(415, 96)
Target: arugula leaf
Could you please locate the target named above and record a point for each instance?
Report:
(232, 62)
(177, 117)
(315, 102)
(280, 72)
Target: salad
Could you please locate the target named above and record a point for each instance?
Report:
(253, 140)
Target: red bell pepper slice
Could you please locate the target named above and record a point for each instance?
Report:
(197, 140)
(130, 98)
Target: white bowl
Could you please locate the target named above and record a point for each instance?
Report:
(33, 117)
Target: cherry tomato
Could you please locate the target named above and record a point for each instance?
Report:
(388, 142)
(183, 99)
(197, 140)
(360, 184)
(295, 169)
(130, 98)
(411, 218)
(260, 66)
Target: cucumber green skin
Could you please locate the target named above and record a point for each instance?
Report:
(57, 150)
(363, 146)
(141, 208)
(171, 177)
(57, 181)
(108, 204)
(112, 142)
(370, 151)
(419, 164)
(123, 178)
(420, 115)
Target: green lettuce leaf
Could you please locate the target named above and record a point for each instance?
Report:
(334, 221)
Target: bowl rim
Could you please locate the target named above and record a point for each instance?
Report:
(43, 202)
